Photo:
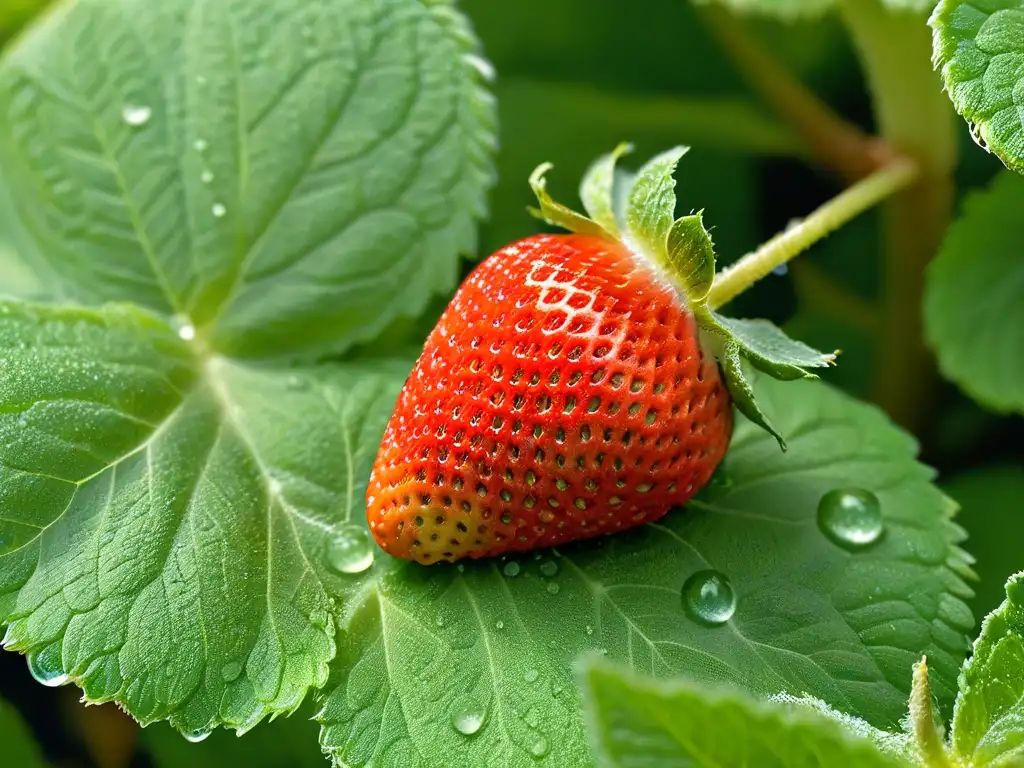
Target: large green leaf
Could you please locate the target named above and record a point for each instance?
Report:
(979, 46)
(19, 748)
(317, 162)
(429, 655)
(988, 727)
(168, 521)
(642, 723)
(974, 316)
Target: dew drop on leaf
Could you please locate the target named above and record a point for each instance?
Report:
(531, 675)
(199, 734)
(708, 598)
(851, 517)
(553, 588)
(45, 666)
(231, 671)
(499, 624)
(219, 210)
(549, 568)
(468, 718)
(540, 746)
(511, 569)
(349, 550)
(136, 116)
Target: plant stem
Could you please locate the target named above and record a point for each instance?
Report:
(916, 119)
(845, 206)
(831, 140)
(927, 738)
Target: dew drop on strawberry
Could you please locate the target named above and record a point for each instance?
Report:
(563, 395)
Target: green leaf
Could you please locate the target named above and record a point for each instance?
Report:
(690, 255)
(979, 47)
(792, 10)
(771, 350)
(555, 213)
(319, 163)
(597, 190)
(19, 747)
(636, 722)
(742, 392)
(651, 204)
(988, 725)
(167, 519)
(428, 654)
(973, 313)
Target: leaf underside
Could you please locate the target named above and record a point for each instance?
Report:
(422, 649)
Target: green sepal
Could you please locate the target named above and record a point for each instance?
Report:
(690, 256)
(768, 348)
(597, 190)
(559, 215)
(651, 204)
(741, 391)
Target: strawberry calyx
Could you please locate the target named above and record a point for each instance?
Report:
(638, 210)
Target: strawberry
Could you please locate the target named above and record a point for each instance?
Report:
(566, 391)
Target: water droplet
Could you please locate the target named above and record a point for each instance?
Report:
(219, 210)
(499, 624)
(200, 145)
(136, 115)
(531, 675)
(553, 588)
(511, 568)
(46, 666)
(460, 568)
(199, 734)
(468, 719)
(589, 630)
(540, 746)
(439, 621)
(781, 270)
(231, 671)
(187, 332)
(549, 568)
(206, 177)
(851, 517)
(481, 65)
(350, 550)
(709, 598)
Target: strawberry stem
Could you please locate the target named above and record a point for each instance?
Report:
(795, 239)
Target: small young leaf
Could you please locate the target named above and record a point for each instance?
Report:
(636, 721)
(979, 46)
(988, 724)
(973, 307)
(651, 204)
(556, 214)
(771, 350)
(597, 190)
(466, 661)
(167, 520)
(691, 257)
(18, 748)
(290, 175)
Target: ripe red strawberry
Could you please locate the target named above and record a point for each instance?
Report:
(565, 392)
(562, 395)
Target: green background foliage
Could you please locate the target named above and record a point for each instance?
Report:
(308, 183)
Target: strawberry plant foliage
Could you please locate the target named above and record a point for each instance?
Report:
(979, 272)
(170, 514)
(979, 47)
(474, 659)
(637, 721)
(987, 724)
(157, 157)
